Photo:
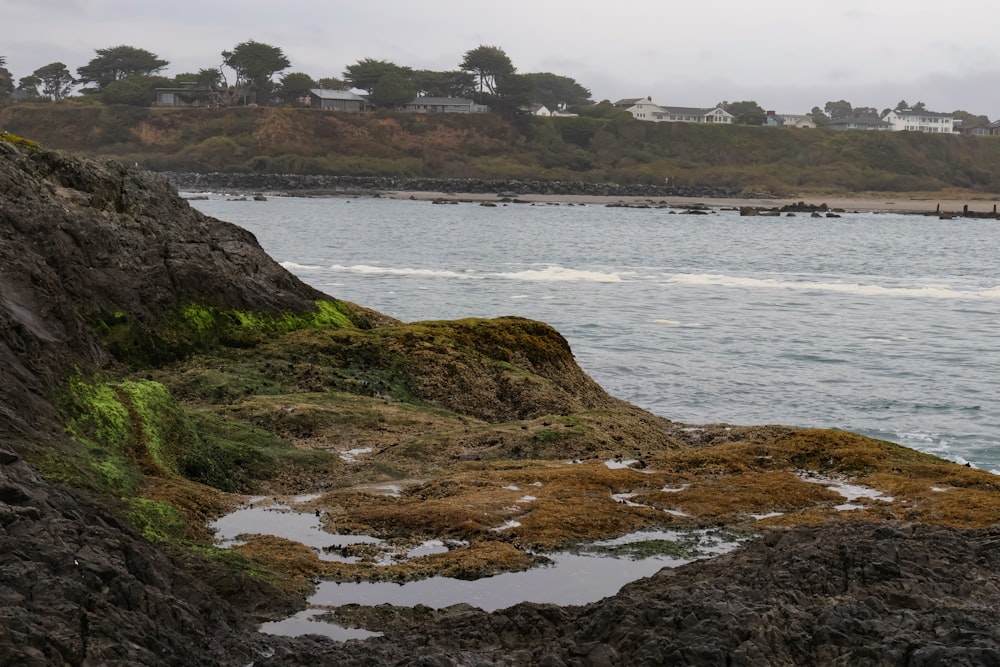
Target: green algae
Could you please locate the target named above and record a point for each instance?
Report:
(100, 422)
(18, 141)
(196, 327)
(134, 429)
(157, 520)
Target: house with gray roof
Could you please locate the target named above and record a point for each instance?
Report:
(979, 129)
(627, 102)
(339, 100)
(859, 121)
(445, 105)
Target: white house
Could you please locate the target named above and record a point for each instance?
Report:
(538, 110)
(920, 121)
(645, 109)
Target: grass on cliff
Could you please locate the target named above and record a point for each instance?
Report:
(601, 145)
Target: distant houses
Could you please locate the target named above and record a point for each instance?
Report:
(789, 120)
(980, 129)
(445, 105)
(898, 120)
(643, 108)
(347, 100)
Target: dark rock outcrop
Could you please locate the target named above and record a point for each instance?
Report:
(83, 243)
(78, 588)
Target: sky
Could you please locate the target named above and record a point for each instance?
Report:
(787, 55)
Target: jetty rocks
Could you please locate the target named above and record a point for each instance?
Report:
(317, 184)
(157, 365)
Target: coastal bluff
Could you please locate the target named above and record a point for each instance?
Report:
(157, 367)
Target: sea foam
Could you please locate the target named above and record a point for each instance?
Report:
(918, 291)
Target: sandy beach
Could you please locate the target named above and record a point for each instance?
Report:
(901, 203)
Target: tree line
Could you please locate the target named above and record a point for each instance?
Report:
(256, 73)
(485, 74)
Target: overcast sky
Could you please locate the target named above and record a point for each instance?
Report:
(787, 55)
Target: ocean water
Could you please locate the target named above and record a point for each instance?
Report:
(881, 324)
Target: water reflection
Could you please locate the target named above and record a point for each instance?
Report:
(280, 520)
(572, 579)
(304, 623)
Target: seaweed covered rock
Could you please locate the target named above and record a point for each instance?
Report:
(88, 246)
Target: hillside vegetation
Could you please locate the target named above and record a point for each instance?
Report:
(606, 146)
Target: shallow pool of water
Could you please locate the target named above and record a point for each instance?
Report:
(593, 572)
(571, 579)
(306, 623)
(281, 520)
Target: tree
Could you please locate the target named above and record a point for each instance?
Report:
(839, 109)
(513, 94)
(819, 117)
(28, 85)
(6, 80)
(137, 90)
(294, 86)
(747, 112)
(205, 79)
(903, 104)
(55, 79)
(393, 90)
(367, 72)
(920, 106)
(555, 91)
(970, 119)
(255, 63)
(490, 65)
(116, 63)
(330, 83)
(444, 84)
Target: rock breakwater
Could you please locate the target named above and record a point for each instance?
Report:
(306, 184)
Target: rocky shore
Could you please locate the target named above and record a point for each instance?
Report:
(944, 205)
(306, 184)
(157, 368)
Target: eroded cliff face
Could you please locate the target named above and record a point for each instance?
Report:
(154, 362)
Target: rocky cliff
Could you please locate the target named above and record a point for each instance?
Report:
(154, 361)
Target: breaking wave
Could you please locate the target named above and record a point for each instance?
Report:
(917, 291)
